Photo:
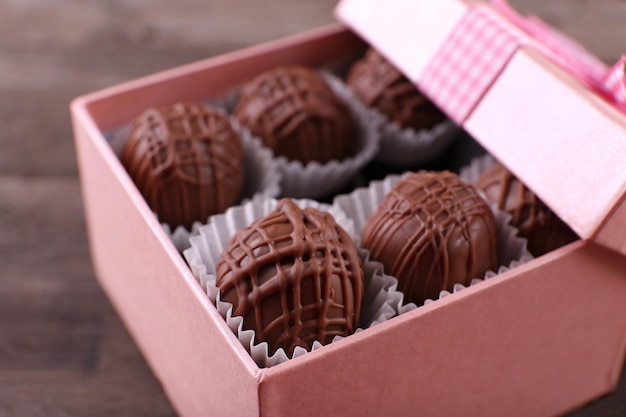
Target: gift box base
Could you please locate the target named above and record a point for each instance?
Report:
(541, 339)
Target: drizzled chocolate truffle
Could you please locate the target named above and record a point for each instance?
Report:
(431, 232)
(296, 114)
(294, 276)
(535, 221)
(378, 84)
(186, 161)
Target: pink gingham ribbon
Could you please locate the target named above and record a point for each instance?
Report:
(480, 46)
(467, 64)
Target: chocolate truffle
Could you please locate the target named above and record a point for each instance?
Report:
(294, 276)
(378, 84)
(296, 114)
(432, 231)
(535, 221)
(186, 161)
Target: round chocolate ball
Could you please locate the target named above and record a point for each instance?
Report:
(296, 114)
(536, 222)
(294, 276)
(378, 84)
(432, 231)
(186, 160)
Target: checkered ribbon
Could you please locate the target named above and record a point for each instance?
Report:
(468, 63)
(481, 45)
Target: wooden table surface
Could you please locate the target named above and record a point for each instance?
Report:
(63, 349)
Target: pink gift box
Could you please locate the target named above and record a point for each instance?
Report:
(540, 339)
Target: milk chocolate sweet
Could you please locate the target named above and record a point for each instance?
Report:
(378, 84)
(535, 221)
(186, 161)
(431, 232)
(296, 114)
(294, 276)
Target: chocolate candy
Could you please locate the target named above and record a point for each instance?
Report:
(186, 161)
(294, 276)
(380, 85)
(535, 221)
(296, 114)
(431, 232)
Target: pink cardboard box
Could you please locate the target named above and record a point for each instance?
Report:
(540, 339)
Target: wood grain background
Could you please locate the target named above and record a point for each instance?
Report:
(63, 350)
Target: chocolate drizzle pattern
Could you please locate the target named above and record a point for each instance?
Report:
(186, 160)
(378, 84)
(294, 276)
(535, 221)
(296, 114)
(431, 232)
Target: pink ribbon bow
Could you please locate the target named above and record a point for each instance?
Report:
(615, 82)
(609, 83)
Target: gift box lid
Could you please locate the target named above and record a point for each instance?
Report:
(529, 95)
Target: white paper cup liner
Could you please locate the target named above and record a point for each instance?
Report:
(180, 236)
(476, 168)
(381, 300)
(316, 180)
(117, 138)
(361, 204)
(261, 176)
(404, 148)
(408, 147)
(225, 102)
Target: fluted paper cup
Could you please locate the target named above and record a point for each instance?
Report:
(381, 300)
